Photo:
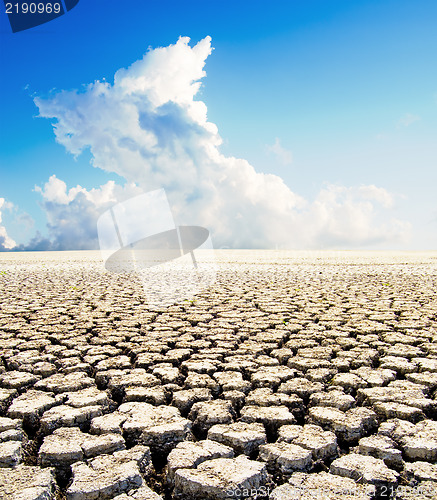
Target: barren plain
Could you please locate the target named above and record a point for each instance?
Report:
(298, 375)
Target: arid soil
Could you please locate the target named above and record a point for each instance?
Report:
(298, 375)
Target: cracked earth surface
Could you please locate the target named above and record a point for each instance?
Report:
(298, 375)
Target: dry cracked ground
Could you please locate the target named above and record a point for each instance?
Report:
(296, 376)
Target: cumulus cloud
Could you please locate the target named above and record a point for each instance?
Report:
(407, 120)
(284, 156)
(6, 243)
(72, 214)
(354, 217)
(148, 127)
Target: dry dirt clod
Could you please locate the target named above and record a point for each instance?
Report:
(290, 366)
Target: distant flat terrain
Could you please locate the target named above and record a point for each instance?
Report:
(295, 375)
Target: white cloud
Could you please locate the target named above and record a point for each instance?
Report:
(380, 195)
(148, 128)
(354, 217)
(55, 191)
(6, 243)
(72, 214)
(284, 156)
(407, 120)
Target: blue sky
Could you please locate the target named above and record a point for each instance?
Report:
(336, 98)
